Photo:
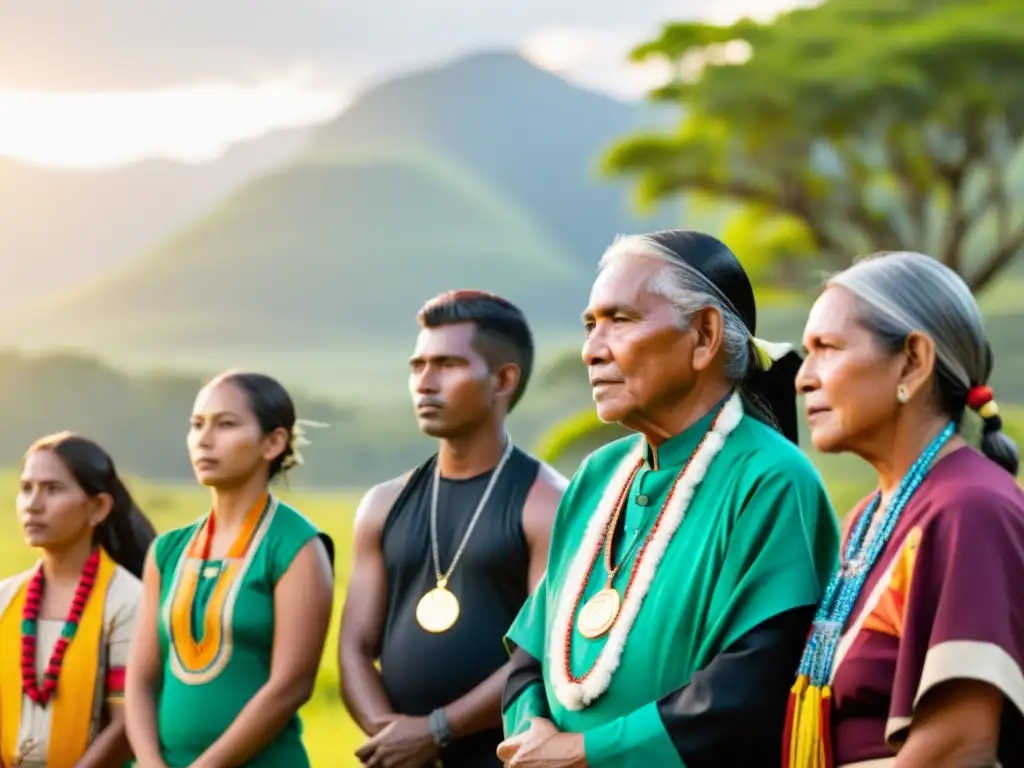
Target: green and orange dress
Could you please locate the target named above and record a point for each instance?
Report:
(217, 631)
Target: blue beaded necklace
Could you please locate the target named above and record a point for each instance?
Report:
(860, 557)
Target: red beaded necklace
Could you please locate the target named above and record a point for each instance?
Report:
(41, 694)
(604, 544)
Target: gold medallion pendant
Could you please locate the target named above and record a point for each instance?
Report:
(438, 610)
(599, 613)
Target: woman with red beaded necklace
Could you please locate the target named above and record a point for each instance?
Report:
(236, 606)
(65, 625)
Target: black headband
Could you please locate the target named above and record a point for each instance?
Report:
(771, 379)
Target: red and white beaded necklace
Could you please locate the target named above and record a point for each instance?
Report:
(575, 692)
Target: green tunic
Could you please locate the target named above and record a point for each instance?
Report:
(758, 538)
(205, 687)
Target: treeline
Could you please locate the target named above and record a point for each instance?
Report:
(143, 419)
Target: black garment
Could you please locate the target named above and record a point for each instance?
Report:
(524, 672)
(732, 713)
(422, 671)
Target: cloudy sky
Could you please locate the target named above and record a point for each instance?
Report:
(110, 81)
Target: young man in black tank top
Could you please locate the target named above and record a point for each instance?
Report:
(445, 555)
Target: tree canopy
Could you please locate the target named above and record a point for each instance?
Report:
(851, 127)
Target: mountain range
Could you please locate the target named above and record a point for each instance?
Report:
(480, 172)
(61, 227)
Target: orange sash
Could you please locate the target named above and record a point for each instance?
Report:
(71, 718)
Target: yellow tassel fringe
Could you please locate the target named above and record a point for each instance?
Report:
(807, 748)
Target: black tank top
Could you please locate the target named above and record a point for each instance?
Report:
(422, 671)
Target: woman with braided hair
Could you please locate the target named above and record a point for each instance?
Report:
(916, 654)
(236, 606)
(66, 624)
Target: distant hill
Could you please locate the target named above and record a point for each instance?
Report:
(59, 227)
(142, 419)
(321, 250)
(529, 133)
(479, 173)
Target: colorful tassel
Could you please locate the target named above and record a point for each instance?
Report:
(807, 742)
(826, 727)
(808, 739)
(788, 731)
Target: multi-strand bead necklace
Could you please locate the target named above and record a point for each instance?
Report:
(808, 737)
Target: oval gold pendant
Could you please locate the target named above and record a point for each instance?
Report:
(599, 613)
(438, 610)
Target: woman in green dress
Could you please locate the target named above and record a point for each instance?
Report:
(236, 606)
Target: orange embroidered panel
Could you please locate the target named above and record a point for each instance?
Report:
(888, 614)
(198, 655)
(198, 660)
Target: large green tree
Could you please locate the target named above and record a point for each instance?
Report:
(851, 127)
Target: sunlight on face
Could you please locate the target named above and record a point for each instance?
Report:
(53, 510)
(225, 443)
(190, 124)
(449, 380)
(848, 382)
(635, 352)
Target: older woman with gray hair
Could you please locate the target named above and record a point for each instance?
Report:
(687, 560)
(916, 655)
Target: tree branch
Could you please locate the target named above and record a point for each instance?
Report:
(954, 176)
(1000, 200)
(915, 191)
(877, 228)
(789, 201)
(997, 260)
(995, 197)
(959, 224)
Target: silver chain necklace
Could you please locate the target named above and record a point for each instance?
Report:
(442, 579)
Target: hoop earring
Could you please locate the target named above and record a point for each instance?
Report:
(901, 394)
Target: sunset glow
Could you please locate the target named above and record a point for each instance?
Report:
(197, 122)
(190, 124)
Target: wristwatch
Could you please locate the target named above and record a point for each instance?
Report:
(440, 728)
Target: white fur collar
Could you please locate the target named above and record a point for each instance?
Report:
(575, 695)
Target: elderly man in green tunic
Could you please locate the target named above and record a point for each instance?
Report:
(686, 561)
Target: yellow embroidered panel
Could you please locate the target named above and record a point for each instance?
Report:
(198, 657)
